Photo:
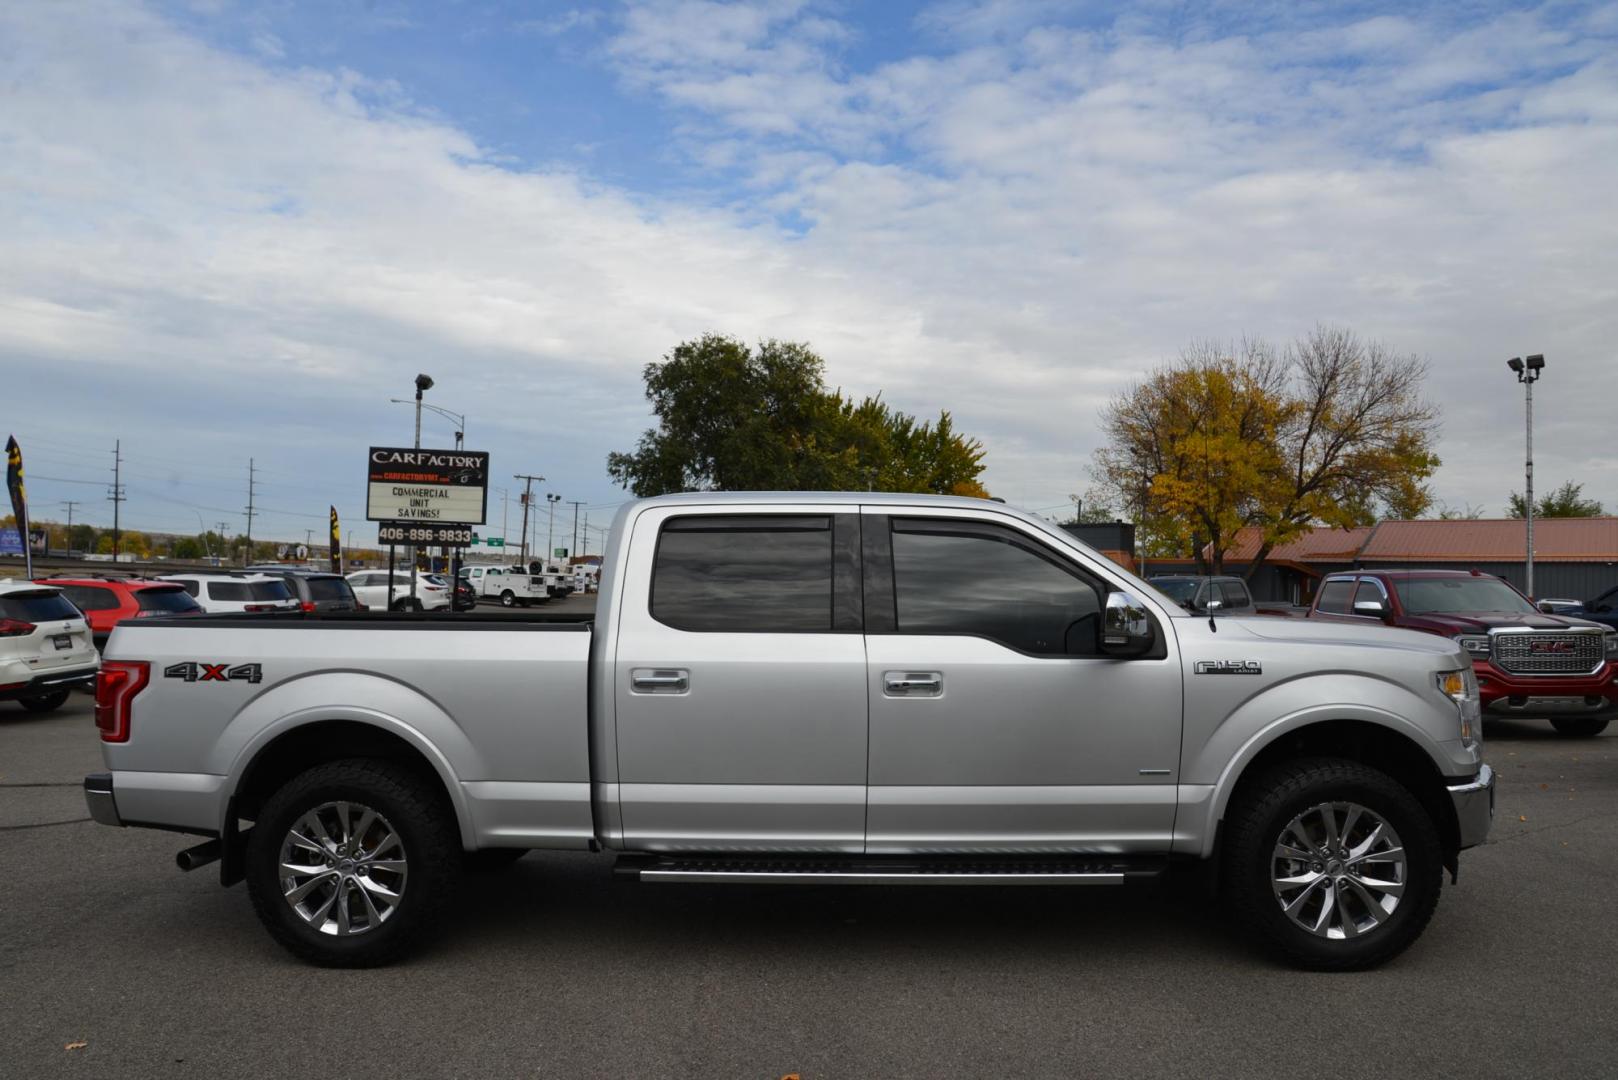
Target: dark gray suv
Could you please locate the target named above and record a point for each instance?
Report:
(1194, 593)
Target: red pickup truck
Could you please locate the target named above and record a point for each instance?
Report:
(1527, 663)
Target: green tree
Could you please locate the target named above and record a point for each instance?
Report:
(1567, 501)
(188, 547)
(731, 418)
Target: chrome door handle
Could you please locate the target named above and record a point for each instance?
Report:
(920, 683)
(664, 680)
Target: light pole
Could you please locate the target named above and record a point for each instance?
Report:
(550, 550)
(1527, 370)
(448, 414)
(424, 383)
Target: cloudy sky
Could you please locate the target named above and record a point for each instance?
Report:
(235, 230)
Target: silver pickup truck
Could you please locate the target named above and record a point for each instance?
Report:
(806, 689)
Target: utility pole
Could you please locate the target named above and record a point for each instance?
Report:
(70, 504)
(527, 498)
(117, 494)
(586, 550)
(308, 541)
(575, 504)
(252, 488)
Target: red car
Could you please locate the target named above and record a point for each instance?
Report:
(1527, 663)
(106, 602)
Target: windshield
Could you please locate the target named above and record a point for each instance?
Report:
(1439, 596)
(1180, 590)
(329, 588)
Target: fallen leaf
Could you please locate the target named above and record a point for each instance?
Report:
(80, 1045)
(790, 1076)
(1521, 817)
(1544, 787)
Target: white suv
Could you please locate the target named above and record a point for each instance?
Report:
(371, 586)
(45, 647)
(237, 593)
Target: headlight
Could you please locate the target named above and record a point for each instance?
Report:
(1461, 687)
(1612, 646)
(1475, 644)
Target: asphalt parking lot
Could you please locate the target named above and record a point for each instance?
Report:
(113, 963)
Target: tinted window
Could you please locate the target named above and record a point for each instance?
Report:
(988, 581)
(1368, 592)
(157, 599)
(192, 588)
(227, 590)
(329, 589)
(92, 597)
(1234, 594)
(1334, 596)
(38, 607)
(269, 590)
(1422, 596)
(758, 574)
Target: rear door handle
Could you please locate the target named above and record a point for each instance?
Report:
(913, 683)
(660, 680)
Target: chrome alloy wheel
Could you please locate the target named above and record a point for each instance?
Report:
(343, 868)
(1338, 870)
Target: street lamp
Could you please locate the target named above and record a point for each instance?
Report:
(1527, 370)
(551, 528)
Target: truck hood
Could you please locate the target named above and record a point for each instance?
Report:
(1311, 632)
(1480, 622)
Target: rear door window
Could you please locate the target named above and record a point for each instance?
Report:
(753, 573)
(1335, 596)
(92, 597)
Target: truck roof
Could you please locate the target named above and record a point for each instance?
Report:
(850, 498)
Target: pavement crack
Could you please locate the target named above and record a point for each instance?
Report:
(43, 824)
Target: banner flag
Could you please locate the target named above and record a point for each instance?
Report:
(19, 498)
(336, 544)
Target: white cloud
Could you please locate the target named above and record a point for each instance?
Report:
(1011, 226)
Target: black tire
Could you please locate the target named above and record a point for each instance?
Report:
(508, 599)
(490, 860)
(43, 703)
(1260, 812)
(427, 834)
(407, 604)
(1582, 727)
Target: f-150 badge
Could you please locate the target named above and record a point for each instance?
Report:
(1229, 667)
(193, 671)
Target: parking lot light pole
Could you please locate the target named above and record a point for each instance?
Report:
(424, 383)
(1527, 370)
(550, 530)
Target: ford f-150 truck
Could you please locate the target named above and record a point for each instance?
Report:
(804, 689)
(1527, 662)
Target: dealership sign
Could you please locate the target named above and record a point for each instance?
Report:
(427, 487)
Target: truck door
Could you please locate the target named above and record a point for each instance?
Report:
(996, 724)
(740, 681)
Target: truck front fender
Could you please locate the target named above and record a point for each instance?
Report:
(1219, 752)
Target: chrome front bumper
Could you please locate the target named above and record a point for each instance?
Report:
(98, 795)
(1474, 807)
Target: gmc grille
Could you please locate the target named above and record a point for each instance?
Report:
(1548, 653)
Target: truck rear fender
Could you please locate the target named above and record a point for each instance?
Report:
(1347, 714)
(368, 700)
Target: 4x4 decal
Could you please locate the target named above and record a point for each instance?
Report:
(195, 671)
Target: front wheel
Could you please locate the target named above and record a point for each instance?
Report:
(508, 599)
(1580, 726)
(352, 862)
(1331, 863)
(43, 703)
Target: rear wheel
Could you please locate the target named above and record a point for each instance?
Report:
(1580, 726)
(42, 703)
(352, 862)
(1331, 863)
(407, 604)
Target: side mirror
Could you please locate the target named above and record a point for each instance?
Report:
(1373, 608)
(1126, 628)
